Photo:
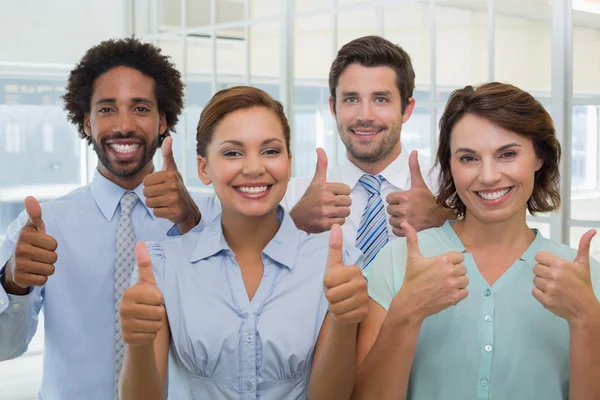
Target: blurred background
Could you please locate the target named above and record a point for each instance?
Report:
(549, 48)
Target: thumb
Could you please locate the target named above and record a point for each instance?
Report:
(145, 273)
(167, 154)
(416, 177)
(33, 209)
(321, 170)
(334, 256)
(412, 243)
(583, 252)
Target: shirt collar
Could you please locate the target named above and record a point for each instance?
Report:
(281, 249)
(396, 173)
(107, 195)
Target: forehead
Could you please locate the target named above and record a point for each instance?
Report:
(123, 83)
(252, 125)
(358, 78)
(480, 134)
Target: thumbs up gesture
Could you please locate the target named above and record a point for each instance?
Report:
(34, 256)
(142, 310)
(431, 284)
(166, 193)
(565, 287)
(323, 204)
(345, 287)
(416, 205)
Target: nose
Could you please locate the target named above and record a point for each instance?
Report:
(365, 113)
(253, 166)
(490, 172)
(125, 123)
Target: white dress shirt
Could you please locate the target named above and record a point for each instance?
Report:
(397, 179)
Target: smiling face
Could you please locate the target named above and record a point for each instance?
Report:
(124, 124)
(368, 112)
(247, 162)
(493, 169)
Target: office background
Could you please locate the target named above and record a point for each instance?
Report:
(285, 47)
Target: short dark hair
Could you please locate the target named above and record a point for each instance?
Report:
(375, 51)
(515, 110)
(132, 53)
(233, 99)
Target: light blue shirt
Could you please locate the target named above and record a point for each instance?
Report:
(225, 346)
(78, 299)
(498, 343)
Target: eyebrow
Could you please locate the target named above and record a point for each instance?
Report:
(468, 150)
(377, 93)
(133, 100)
(240, 144)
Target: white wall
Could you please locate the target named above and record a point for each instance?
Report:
(57, 31)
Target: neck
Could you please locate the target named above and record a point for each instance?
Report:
(377, 166)
(127, 182)
(249, 234)
(504, 234)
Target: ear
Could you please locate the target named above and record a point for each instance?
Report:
(410, 107)
(538, 163)
(332, 106)
(202, 171)
(290, 169)
(87, 128)
(162, 124)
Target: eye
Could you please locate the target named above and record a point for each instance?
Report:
(350, 100)
(508, 154)
(271, 152)
(467, 158)
(104, 110)
(380, 100)
(141, 109)
(232, 153)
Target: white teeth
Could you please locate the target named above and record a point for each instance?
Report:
(363, 133)
(124, 148)
(253, 189)
(493, 195)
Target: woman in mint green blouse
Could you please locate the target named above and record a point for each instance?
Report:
(485, 307)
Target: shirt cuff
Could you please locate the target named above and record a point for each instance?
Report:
(12, 303)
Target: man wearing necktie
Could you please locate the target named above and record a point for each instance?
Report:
(378, 185)
(73, 256)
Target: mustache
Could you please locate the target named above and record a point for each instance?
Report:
(367, 125)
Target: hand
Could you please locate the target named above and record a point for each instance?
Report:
(417, 205)
(166, 193)
(142, 311)
(430, 284)
(323, 204)
(345, 286)
(565, 287)
(35, 253)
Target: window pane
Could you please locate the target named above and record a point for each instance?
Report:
(586, 57)
(231, 53)
(408, 26)
(265, 57)
(312, 50)
(355, 24)
(264, 8)
(312, 129)
(416, 133)
(462, 44)
(585, 169)
(307, 5)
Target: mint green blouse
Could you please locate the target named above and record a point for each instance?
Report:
(499, 343)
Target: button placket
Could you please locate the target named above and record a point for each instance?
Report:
(487, 343)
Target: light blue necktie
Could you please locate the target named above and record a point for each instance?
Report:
(372, 231)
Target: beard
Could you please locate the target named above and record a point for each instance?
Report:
(376, 151)
(129, 169)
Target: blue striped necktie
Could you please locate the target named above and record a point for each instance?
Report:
(372, 231)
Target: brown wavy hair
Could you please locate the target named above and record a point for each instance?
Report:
(233, 99)
(512, 109)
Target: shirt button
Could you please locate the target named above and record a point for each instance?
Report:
(248, 385)
(2, 302)
(484, 382)
(16, 305)
(487, 318)
(249, 338)
(488, 347)
(487, 292)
